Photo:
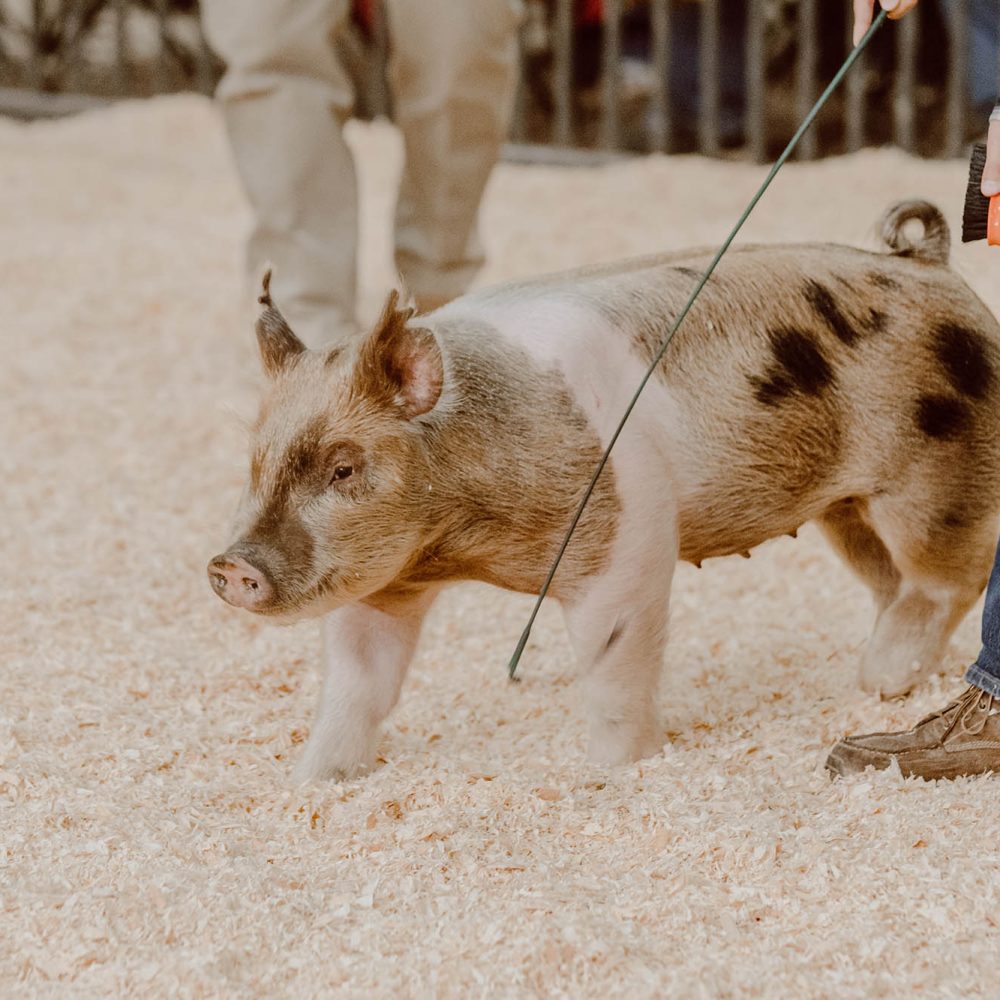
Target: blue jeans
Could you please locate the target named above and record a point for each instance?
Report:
(985, 672)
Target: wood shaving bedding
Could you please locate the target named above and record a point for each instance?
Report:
(150, 842)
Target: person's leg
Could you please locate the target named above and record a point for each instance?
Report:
(284, 98)
(982, 51)
(985, 672)
(962, 739)
(452, 72)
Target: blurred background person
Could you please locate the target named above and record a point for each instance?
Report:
(982, 49)
(285, 97)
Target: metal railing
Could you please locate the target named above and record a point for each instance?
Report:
(713, 76)
(910, 89)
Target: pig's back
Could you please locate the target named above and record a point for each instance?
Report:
(805, 374)
(802, 375)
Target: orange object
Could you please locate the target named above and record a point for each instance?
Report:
(993, 222)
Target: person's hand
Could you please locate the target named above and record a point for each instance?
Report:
(991, 171)
(863, 10)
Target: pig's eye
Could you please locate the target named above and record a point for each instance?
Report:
(340, 473)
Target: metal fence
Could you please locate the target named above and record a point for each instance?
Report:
(722, 77)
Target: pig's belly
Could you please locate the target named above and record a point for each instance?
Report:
(703, 534)
(740, 503)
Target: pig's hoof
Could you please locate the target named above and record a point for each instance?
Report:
(311, 769)
(890, 682)
(613, 744)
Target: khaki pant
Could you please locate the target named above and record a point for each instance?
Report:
(285, 96)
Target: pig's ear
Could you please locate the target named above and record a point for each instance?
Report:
(401, 364)
(278, 345)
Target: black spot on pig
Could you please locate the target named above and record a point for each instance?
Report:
(942, 417)
(688, 272)
(952, 520)
(875, 321)
(882, 280)
(771, 390)
(798, 366)
(962, 353)
(828, 309)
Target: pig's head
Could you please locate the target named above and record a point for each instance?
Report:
(335, 506)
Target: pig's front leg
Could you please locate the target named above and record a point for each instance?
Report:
(366, 651)
(618, 630)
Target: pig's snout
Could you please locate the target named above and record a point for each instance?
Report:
(239, 583)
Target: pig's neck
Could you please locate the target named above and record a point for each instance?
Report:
(508, 454)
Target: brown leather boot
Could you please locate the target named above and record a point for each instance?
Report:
(961, 739)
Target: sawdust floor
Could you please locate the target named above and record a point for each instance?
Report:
(149, 838)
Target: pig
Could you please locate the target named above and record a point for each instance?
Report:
(810, 382)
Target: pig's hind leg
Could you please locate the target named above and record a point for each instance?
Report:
(848, 529)
(943, 560)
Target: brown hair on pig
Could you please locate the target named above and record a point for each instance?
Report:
(392, 463)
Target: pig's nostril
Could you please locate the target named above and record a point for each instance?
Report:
(239, 582)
